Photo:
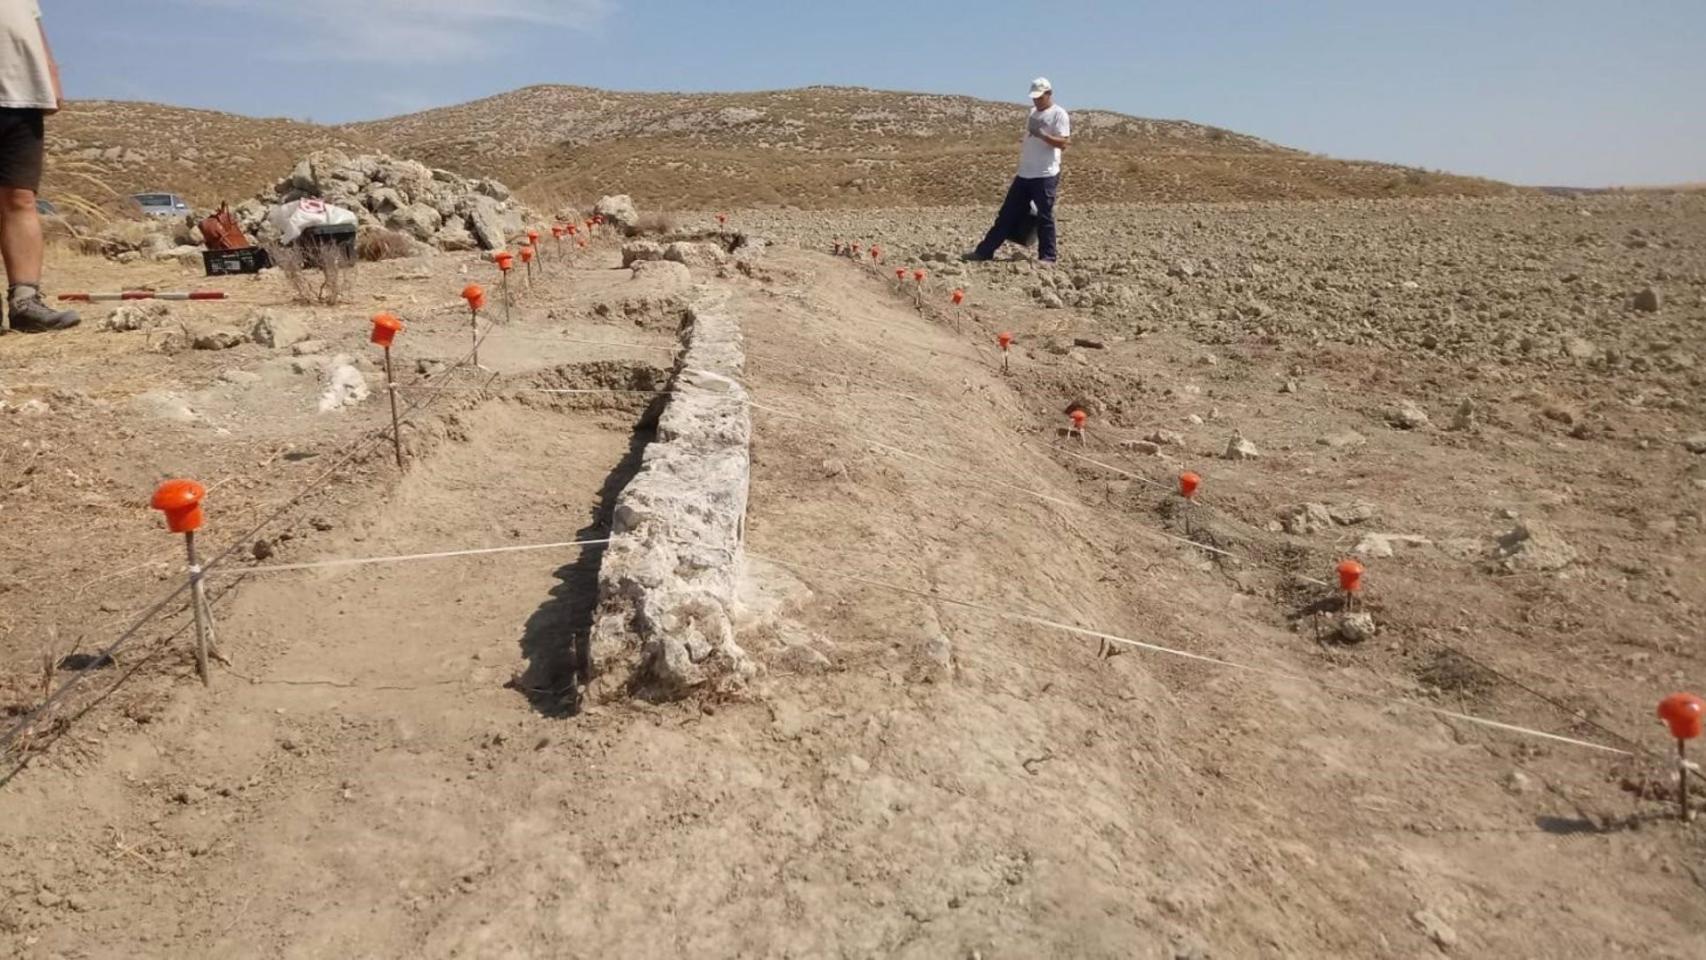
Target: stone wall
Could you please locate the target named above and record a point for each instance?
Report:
(666, 588)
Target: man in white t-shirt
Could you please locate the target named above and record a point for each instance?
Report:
(1048, 131)
(29, 91)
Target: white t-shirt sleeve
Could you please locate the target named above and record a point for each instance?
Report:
(1060, 125)
(26, 82)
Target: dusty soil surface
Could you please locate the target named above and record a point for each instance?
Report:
(381, 772)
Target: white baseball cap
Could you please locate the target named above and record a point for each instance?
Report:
(1040, 86)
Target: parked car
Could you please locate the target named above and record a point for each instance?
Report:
(161, 204)
(45, 208)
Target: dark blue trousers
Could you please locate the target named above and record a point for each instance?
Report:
(1015, 220)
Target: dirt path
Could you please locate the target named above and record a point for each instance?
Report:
(939, 783)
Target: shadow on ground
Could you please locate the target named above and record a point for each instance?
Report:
(554, 640)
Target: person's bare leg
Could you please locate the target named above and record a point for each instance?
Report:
(20, 236)
(21, 250)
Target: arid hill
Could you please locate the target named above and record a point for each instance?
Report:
(102, 151)
(818, 147)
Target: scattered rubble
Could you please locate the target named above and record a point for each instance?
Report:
(1166, 438)
(271, 328)
(1356, 628)
(346, 386)
(216, 337)
(1239, 448)
(1407, 415)
(1532, 547)
(137, 316)
(1379, 546)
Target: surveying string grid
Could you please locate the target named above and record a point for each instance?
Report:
(1010, 615)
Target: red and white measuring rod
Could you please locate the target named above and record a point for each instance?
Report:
(145, 295)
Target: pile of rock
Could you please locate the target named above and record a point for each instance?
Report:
(432, 206)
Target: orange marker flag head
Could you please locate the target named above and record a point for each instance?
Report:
(1350, 576)
(386, 326)
(526, 254)
(1188, 484)
(180, 501)
(900, 273)
(503, 258)
(1078, 419)
(959, 297)
(473, 292)
(918, 276)
(1005, 339)
(1685, 714)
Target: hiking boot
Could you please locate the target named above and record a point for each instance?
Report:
(31, 315)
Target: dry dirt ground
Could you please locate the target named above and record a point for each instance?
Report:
(381, 771)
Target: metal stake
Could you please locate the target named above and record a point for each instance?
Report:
(474, 331)
(396, 428)
(203, 612)
(1682, 780)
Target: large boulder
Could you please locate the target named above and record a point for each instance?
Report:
(635, 251)
(273, 329)
(454, 235)
(618, 209)
(382, 200)
(417, 220)
(695, 254)
(486, 222)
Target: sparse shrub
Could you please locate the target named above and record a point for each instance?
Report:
(317, 276)
(382, 244)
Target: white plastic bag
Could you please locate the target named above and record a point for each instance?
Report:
(290, 219)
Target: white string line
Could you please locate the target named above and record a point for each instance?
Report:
(1019, 617)
(671, 347)
(505, 391)
(405, 558)
(1035, 620)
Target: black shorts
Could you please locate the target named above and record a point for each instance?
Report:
(23, 142)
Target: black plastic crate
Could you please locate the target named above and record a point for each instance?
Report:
(314, 240)
(220, 263)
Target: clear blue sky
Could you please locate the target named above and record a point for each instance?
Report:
(1578, 92)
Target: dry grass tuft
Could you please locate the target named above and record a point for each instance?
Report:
(317, 276)
(382, 244)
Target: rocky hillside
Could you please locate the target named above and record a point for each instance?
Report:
(854, 147)
(101, 151)
(818, 147)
